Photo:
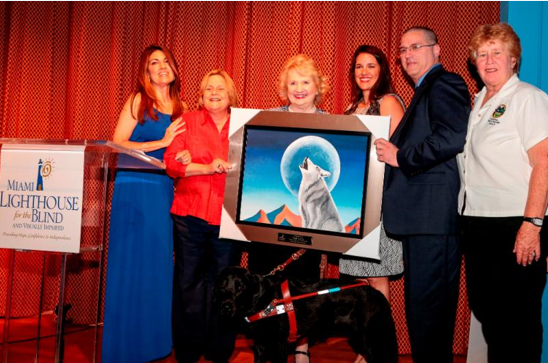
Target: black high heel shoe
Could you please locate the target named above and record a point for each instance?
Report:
(303, 353)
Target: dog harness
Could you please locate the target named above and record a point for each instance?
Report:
(285, 305)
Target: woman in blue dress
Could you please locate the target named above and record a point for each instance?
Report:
(137, 324)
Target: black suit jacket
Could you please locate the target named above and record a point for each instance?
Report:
(420, 197)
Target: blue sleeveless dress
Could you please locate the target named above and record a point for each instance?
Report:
(137, 324)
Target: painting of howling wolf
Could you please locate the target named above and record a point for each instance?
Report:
(316, 206)
(304, 180)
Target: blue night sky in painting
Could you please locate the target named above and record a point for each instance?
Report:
(263, 186)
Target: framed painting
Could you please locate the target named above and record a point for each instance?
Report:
(305, 180)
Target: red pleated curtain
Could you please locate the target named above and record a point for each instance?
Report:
(67, 68)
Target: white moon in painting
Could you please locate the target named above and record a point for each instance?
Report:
(320, 151)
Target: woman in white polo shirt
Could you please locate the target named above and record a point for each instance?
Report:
(503, 199)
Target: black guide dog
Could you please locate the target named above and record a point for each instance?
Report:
(362, 314)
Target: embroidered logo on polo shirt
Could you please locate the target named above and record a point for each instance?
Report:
(499, 111)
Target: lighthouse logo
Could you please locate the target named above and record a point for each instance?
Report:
(45, 168)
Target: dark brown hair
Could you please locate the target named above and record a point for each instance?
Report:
(382, 87)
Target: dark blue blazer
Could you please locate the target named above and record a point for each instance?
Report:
(420, 197)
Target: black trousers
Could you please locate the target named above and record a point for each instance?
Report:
(432, 270)
(199, 256)
(504, 296)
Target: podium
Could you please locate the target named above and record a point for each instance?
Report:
(53, 228)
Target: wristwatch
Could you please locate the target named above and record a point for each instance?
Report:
(535, 220)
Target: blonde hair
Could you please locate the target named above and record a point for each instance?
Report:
(306, 67)
(490, 32)
(231, 88)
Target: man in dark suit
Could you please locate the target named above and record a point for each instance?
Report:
(420, 194)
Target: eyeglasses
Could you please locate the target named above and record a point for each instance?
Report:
(414, 48)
